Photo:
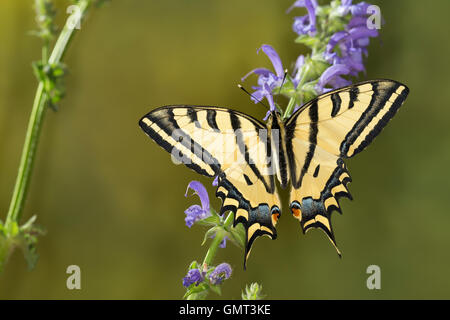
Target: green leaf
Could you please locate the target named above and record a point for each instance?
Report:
(237, 235)
(308, 41)
(210, 233)
(318, 65)
(212, 220)
(193, 265)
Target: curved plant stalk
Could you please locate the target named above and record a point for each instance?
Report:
(11, 235)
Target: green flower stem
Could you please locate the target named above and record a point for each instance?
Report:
(216, 241)
(35, 125)
(289, 108)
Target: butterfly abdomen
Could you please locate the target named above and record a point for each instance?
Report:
(278, 148)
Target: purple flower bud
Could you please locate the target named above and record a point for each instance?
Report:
(306, 24)
(193, 276)
(220, 273)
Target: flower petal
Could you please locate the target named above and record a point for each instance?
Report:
(200, 190)
(332, 75)
(360, 9)
(269, 97)
(259, 71)
(274, 58)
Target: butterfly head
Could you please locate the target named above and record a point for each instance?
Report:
(274, 119)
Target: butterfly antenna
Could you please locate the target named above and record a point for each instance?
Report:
(259, 101)
(284, 79)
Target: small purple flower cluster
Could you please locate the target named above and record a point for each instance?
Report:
(305, 24)
(194, 276)
(215, 277)
(339, 52)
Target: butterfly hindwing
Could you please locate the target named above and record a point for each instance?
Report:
(322, 133)
(230, 145)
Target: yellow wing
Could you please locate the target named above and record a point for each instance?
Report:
(230, 145)
(322, 133)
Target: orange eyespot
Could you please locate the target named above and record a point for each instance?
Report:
(295, 209)
(296, 212)
(275, 216)
(275, 211)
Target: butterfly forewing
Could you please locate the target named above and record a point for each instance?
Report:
(230, 145)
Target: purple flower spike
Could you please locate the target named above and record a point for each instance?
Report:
(220, 273)
(348, 47)
(193, 276)
(195, 212)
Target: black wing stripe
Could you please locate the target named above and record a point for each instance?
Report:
(313, 131)
(335, 97)
(211, 119)
(354, 92)
(191, 114)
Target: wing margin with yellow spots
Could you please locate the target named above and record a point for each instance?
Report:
(325, 131)
(220, 142)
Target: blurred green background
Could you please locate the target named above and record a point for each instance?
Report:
(112, 202)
